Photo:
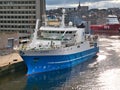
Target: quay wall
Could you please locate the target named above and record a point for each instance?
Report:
(11, 63)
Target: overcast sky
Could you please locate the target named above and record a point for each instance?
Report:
(74, 3)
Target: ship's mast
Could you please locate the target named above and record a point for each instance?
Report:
(63, 18)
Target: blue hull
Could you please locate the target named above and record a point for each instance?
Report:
(37, 64)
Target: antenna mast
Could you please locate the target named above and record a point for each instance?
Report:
(63, 18)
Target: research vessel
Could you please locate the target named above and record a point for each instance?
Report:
(59, 47)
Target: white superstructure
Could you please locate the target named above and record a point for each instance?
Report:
(60, 40)
(112, 19)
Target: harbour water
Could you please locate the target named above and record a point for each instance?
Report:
(100, 73)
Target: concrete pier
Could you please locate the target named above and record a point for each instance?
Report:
(10, 63)
(10, 59)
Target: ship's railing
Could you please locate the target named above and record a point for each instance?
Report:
(23, 47)
(53, 47)
(91, 39)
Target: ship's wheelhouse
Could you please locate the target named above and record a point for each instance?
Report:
(57, 34)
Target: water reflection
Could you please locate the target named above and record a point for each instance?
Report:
(110, 80)
(111, 43)
(109, 69)
(47, 81)
(101, 58)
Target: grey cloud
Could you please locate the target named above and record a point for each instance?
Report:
(56, 2)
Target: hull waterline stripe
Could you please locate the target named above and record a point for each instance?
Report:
(66, 61)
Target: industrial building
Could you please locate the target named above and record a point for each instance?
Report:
(21, 16)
